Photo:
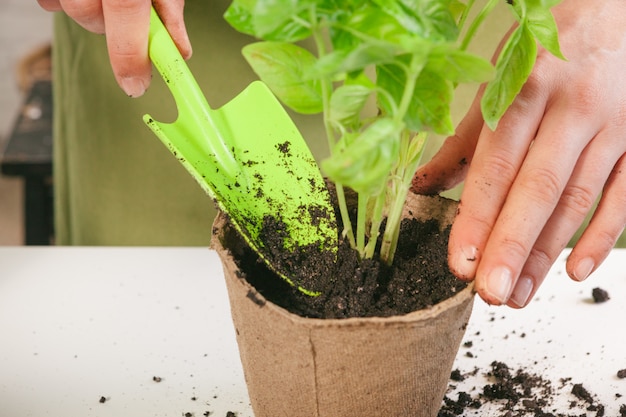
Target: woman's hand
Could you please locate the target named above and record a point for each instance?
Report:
(126, 26)
(530, 184)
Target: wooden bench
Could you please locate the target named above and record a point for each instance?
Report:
(28, 154)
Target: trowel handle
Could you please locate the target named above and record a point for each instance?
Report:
(195, 117)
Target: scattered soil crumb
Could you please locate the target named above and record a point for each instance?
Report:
(599, 295)
(157, 379)
(231, 414)
(580, 392)
(621, 374)
(102, 400)
(457, 375)
(517, 393)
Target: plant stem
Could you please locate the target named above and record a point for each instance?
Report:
(398, 194)
(392, 229)
(464, 15)
(325, 82)
(345, 215)
(412, 72)
(377, 219)
(476, 23)
(326, 85)
(361, 223)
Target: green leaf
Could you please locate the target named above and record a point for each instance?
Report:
(276, 19)
(269, 19)
(239, 16)
(365, 163)
(346, 103)
(513, 67)
(430, 104)
(456, 9)
(431, 19)
(282, 66)
(542, 25)
(376, 24)
(459, 66)
(357, 59)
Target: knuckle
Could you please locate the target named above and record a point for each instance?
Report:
(499, 168)
(87, 13)
(585, 98)
(577, 199)
(515, 249)
(541, 184)
(535, 86)
(605, 239)
(542, 259)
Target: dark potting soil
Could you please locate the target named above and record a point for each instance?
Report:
(518, 393)
(599, 295)
(351, 287)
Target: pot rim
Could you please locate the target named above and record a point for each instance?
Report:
(425, 314)
(446, 209)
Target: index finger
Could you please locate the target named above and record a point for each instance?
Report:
(498, 157)
(127, 27)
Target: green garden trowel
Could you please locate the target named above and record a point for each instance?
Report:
(250, 158)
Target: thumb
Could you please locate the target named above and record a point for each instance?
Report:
(450, 164)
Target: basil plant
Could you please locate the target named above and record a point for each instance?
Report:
(404, 57)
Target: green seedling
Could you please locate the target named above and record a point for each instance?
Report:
(407, 57)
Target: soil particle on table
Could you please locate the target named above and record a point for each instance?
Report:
(599, 295)
(621, 374)
(457, 375)
(581, 392)
(518, 393)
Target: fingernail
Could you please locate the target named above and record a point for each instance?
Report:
(521, 292)
(583, 269)
(133, 86)
(498, 284)
(465, 262)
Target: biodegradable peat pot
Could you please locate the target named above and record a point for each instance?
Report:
(395, 366)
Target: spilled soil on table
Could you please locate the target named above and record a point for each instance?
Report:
(519, 393)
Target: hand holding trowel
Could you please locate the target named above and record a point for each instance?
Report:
(249, 156)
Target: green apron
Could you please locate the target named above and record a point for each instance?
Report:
(114, 182)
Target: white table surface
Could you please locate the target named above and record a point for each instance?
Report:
(78, 324)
